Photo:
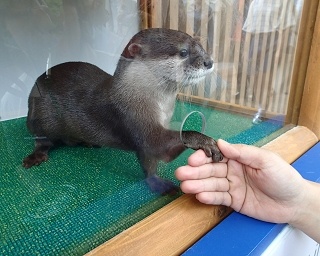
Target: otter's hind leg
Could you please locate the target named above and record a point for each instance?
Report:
(39, 154)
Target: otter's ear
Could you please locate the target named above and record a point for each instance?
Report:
(134, 49)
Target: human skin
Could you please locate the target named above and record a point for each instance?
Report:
(255, 182)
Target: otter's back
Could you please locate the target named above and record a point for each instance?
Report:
(59, 103)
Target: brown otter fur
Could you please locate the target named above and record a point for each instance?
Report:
(81, 104)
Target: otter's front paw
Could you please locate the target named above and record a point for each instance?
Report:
(211, 150)
(196, 140)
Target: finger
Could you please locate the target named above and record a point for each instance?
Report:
(215, 198)
(199, 158)
(218, 170)
(205, 185)
(245, 154)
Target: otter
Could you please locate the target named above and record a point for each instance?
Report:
(78, 103)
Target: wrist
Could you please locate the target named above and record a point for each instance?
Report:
(307, 215)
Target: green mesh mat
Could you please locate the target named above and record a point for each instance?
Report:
(81, 197)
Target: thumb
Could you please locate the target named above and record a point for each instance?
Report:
(245, 154)
(228, 150)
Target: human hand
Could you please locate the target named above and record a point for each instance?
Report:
(251, 180)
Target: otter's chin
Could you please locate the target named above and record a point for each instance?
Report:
(195, 80)
(196, 77)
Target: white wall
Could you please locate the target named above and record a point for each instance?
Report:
(33, 36)
(293, 242)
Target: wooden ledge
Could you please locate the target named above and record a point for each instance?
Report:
(175, 227)
(293, 143)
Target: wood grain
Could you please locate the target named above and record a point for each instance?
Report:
(310, 107)
(169, 231)
(300, 69)
(293, 143)
(233, 108)
(175, 227)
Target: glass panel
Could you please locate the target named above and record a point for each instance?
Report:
(82, 196)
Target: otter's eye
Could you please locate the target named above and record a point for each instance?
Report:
(184, 53)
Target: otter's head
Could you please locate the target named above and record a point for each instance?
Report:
(171, 54)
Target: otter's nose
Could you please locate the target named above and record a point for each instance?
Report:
(208, 64)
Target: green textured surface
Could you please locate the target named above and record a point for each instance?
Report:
(82, 197)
